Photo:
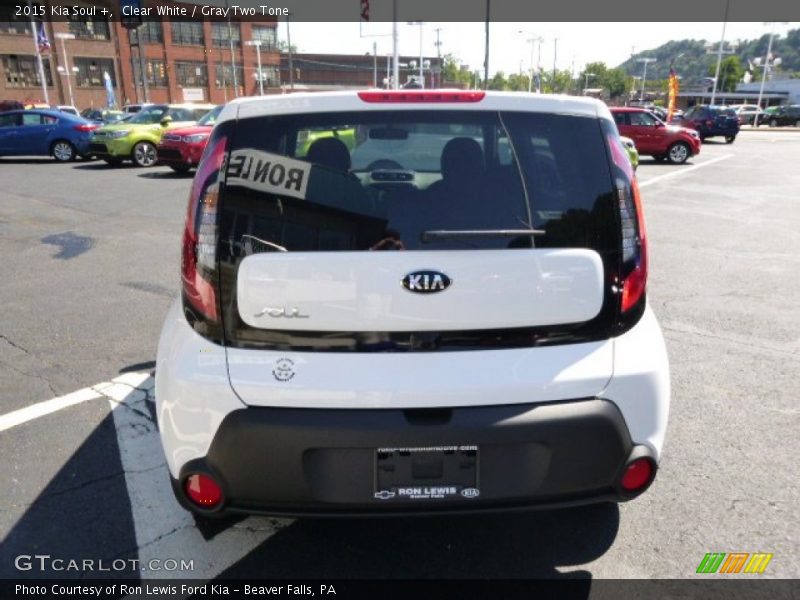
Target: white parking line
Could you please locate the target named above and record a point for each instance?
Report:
(40, 409)
(164, 530)
(683, 171)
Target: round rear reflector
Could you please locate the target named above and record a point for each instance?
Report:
(637, 475)
(203, 490)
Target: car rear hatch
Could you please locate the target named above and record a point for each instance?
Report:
(368, 267)
(726, 120)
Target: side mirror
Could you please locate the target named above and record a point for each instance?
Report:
(166, 121)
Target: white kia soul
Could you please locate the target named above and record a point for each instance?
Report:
(412, 302)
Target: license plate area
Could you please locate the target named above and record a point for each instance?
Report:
(426, 473)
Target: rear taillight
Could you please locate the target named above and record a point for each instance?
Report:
(422, 96)
(633, 280)
(634, 247)
(84, 127)
(199, 256)
(638, 474)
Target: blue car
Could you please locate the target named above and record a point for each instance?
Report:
(44, 133)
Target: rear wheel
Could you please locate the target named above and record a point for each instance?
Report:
(180, 168)
(144, 154)
(63, 151)
(729, 139)
(773, 122)
(679, 153)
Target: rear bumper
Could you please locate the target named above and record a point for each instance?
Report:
(282, 461)
(180, 154)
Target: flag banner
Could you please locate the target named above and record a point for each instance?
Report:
(673, 93)
(41, 39)
(111, 99)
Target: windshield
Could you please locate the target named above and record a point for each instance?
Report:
(149, 115)
(211, 116)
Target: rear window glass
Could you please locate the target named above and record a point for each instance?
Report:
(383, 180)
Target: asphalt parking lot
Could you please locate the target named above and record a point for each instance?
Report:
(91, 264)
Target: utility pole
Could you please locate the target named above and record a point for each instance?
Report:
(719, 52)
(767, 59)
(646, 61)
(555, 54)
(374, 64)
(486, 55)
(395, 49)
(438, 57)
(233, 61)
(289, 44)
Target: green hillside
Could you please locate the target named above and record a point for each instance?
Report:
(696, 62)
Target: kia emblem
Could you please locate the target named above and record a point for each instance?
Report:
(426, 282)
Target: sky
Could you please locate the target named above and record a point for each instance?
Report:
(578, 43)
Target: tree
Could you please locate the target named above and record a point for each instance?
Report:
(615, 81)
(730, 73)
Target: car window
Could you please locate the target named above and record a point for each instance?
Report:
(48, 120)
(149, 115)
(197, 114)
(9, 120)
(350, 181)
(643, 119)
(211, 116)
(180, 114)
(31, 119)
(620, 119)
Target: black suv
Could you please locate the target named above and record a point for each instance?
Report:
(712, 121)
(784, 116)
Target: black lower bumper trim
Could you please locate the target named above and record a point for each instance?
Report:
(293, 462)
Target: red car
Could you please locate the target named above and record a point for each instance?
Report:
(181, 148)
(654, 137)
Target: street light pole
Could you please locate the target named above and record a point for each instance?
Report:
(719, 52)
(257, 44)
(586, 82)
(233, 61)
(62, 37)
(646, 61)
(764, 75)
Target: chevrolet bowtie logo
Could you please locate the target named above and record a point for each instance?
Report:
(384, 495)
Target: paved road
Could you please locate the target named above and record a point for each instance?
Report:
(91, 258)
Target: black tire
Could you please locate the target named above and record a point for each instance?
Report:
(729, 139)
(63, 151)
(797, 123)
(180, 168)
(144, 154)
(773, 122)
(679, 153)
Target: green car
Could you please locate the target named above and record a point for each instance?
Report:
(630, 147)
(136, 138)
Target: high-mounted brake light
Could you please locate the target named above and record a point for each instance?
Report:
(200, 234)
(421, 96)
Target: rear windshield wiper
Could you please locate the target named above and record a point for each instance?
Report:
(446, 234)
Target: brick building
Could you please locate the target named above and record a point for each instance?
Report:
(338, 71)
(182, 60)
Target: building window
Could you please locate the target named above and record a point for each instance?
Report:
(224, 77)
(191, 74)
(85, 29)
(268, 36)
(272, 76)
(13, 24)
(22, 71)
(156, 73)
(90, 71)
(149, 32)
(187, 33)
(220, 38)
